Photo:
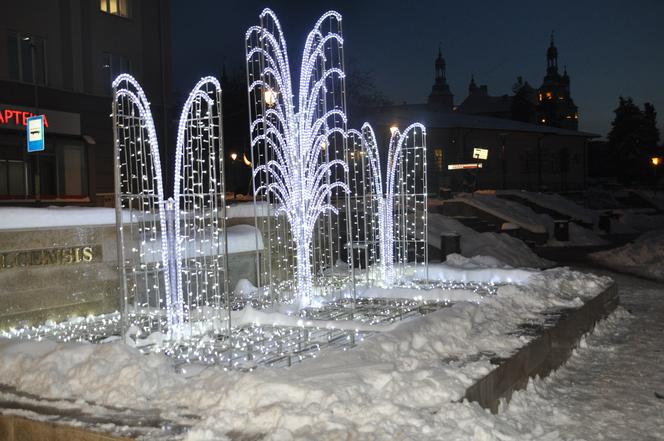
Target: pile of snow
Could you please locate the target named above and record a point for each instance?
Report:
(504, 248)
(247, 210)
(634, 222)
(644, 256)
(478, 269)
(655, 199)
(578, 236)
(526, 218)
(512, 212)
(556, 202)
(400, 384)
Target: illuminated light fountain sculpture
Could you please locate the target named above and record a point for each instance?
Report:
(171, 252)
(299, 154)
(389, 211)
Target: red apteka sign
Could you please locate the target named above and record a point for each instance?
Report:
(17, 117)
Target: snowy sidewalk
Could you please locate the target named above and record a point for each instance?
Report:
(607, 389)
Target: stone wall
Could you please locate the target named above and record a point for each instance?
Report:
(52, 273)
(55, 273)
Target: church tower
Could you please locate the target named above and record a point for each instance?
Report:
(441, 96)
(555, 105)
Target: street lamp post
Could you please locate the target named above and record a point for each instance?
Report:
(233, 173)
(33, 50)
(656, 161)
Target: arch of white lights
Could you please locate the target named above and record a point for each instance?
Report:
(385, 192)
(197, 206)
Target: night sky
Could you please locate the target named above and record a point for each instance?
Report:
(610, 48)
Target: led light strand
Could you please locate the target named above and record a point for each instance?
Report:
(298, 176)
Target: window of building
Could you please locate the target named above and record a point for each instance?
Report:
(438, 155)
(549, 95)
(12, 178)
(115, 65)
(115, 7)
(73, 158)
(25, 52)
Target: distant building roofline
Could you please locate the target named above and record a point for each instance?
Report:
(428, 115)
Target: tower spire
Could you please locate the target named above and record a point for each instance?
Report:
(440, 66)
(441, 95)
(552, 58)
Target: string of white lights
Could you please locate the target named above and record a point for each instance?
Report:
(399, 170)
(294, 170)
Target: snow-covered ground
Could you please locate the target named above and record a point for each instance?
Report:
(556, 202)
(503, 247)
(633, 222)
(611, 389)
(399, 384)
(644, 256)
(526, 218)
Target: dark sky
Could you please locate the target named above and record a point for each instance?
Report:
(610, 48)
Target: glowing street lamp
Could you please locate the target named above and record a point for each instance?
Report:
(270, 96)
(233, 156)
(393, 129)
(656, 161)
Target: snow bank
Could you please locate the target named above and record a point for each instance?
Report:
(401, 384)
(512, 212)
(246, 209)
(506, 249)
(478, 269)
(631, 222)
(556, 202)
(28, 217)
(48, 217)
(540, 223)
(643, 257)
(578, 236)
(653, 198)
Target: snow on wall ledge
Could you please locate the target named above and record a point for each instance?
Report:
(15, 218)
(399, 384)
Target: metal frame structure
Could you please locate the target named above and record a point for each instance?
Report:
(172, 254)
(389, 211)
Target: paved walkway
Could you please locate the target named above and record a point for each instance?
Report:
(609, 390)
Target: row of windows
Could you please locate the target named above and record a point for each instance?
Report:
(27, 61)
(26, 54)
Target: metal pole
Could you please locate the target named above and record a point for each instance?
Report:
(33, 49)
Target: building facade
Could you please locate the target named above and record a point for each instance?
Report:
(549, 105)
(60, 62)
(520, 155)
